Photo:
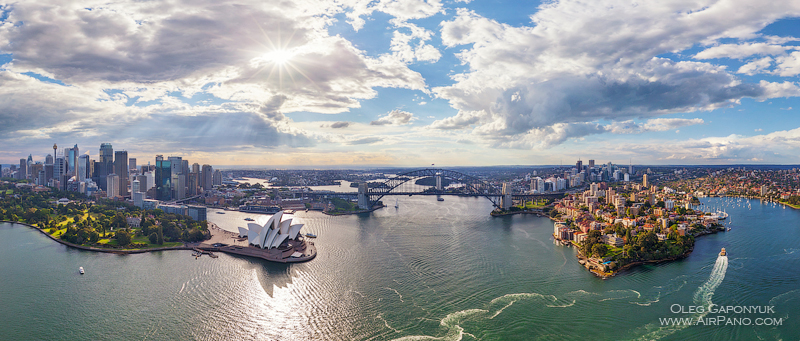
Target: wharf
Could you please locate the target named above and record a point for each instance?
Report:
(300, 250)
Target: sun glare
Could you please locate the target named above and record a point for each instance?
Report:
(279, 57)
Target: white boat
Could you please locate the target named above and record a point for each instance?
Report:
(80, 269)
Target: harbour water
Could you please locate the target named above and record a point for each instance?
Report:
(426, 270)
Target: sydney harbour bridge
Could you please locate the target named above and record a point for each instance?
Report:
(435, 182)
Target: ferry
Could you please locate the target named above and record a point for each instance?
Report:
(722, 253)
(249, 219)
(259, 209)
(80, 269)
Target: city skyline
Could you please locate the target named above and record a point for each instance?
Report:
(404, 82)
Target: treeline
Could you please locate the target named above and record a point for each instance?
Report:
(642, 246)
(87, 223)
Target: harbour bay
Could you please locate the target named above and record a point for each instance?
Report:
(437, 270)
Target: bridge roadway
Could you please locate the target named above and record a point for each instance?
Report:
(517, 195)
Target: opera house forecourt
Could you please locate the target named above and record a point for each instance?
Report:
(278, 240)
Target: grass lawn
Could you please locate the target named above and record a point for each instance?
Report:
(58, 233)
(107, 242)
(790, 205)
(66, 222)
(166, 244)
(533, 204)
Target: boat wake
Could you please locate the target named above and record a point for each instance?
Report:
(702, 297)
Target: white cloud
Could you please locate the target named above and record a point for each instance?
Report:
(756, 66)
(159, 47)
(583, 62)
(657, 124)
(789, 65)
(394, 117)
(739, 51)
(403, 10)
(403, 46)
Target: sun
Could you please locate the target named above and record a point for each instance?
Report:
(278, 57)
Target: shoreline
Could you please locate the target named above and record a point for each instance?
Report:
(583, 260)
(353, 212)
(272, 255)
(540, 213)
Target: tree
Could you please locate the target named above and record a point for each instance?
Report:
(160, 234)
(599, 250)
(123, 238)
(153, 237)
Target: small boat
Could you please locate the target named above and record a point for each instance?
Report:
(729, 229)
(249, 219)
(439, 199)
(311, 235)
(723, 253)
(80, 269)
(220, 212)
(396, 205)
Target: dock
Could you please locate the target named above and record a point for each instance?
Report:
(205, 252)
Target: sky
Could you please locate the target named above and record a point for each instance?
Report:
(404, 82)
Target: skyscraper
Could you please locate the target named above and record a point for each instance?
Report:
(106, 152)
(217, 179)
(105, 166)
(112, 182)
(48, 160)
(72, 158)
(644, 180)
(59, 168)
(30, 162)
(143, 185)
(121, 169)
(82, 168)
(132, 164)
(163, 180)
(591, 163)
(208, 178)
(22, 172)
(579, 165)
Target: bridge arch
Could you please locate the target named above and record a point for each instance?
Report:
(471, 185)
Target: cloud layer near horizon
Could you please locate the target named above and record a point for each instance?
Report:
(210, 77)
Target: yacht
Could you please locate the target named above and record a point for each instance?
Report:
(80, 269)
(249, 219)
(311, 235)
(723, 253)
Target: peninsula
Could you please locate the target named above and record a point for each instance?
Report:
(118, 227)
(615, 227)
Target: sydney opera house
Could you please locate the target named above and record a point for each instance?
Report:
(273, 233)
